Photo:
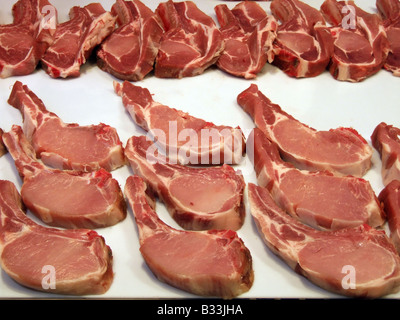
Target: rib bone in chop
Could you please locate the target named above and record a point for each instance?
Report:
(248, 33)
(197, 198)
(129, 53)
(319, 198)
(342, 151)
(186, 139)
(191, 42)
(66, 146)
(357, 262)
(78, 260)
(68, 199)
(75, 39)
(206, 263)
(303, 45)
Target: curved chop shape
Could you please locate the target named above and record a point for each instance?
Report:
(389, 11)
(319, 198)
(303, 46)
(334, 260)
(75, 39)
(342, 151)
(206, 263)
(24, 42)
(385, 140)
(184, 138)
(130, 51)
(81, 259)
(68, 199)
(248, 33)
(360, 45)
(197, 198)
(66, 146)
(390, 197)
(191, 42)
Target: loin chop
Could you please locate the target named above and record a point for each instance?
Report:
(342, 151)
(184, 138)
(67, 199)
(360, 46)
(390, 197)
(80, 258)
(129, 53)
(197, 198)
(205, 263)
(75, 39)
(66, 146)
(24, 42)
(385, 139)
(319, 198)
(358, 262)
(389, 11)
(248, 33)
(191, 42)
(303, 46)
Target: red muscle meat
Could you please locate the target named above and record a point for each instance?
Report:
(191, 42)
(84, 148)
(319, 198)
(23, 43)
(197, 198)
(3, 149)
(390, 197)
(385, 140)
(75, 39)
(361, 46)
(357, 262)
(129, 53)
(67, 199)
(303, 46)
(186, 139)
(342, 151)
(390, 13)
(80, 258)
(205, 263)
(248, 33)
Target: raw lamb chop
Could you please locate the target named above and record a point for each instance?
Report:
(342, 151)
(248, 33)
(3, 149)
(66, 146)
(23, 43)
(390, 197)
(385, 140)
(184, 138)
(303, 46)
(191, 42)
(197, 198)
(319, 198)
(357, 262)
(361, 45)
(206, 263)
(67, 199)
(80, 259)
(130, 51)
(390, 13)
(75, 40)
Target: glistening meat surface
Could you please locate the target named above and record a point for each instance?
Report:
(205, 263)
(67, 199)
(80, 258)
(66, 146)
(197, 198)
(356, 262)
(342, 151)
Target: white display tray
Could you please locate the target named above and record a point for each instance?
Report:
(321, 102)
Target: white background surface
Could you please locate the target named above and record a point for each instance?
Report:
(320, 102)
